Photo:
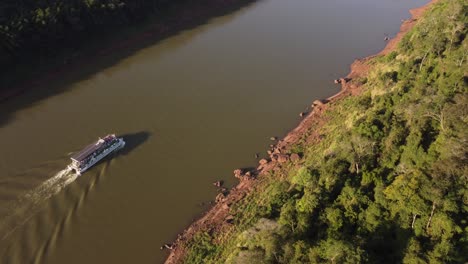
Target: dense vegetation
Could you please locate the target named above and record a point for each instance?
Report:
(388, 181)
(38, 24)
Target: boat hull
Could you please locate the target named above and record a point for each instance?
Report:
(115, 147)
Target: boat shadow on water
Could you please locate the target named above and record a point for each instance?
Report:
(132, 142)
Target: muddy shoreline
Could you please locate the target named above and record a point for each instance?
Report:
(217, 219)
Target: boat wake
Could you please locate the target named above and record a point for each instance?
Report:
(21, 210)
(51, 186)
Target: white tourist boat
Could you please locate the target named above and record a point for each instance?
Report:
(86, 158)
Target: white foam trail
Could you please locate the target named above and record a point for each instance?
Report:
(25, 207)
(51, 187)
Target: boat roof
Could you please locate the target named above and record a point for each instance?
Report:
(84, 153)
(81, 155)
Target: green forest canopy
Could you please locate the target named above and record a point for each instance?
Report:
(388, 182)
(38, 24)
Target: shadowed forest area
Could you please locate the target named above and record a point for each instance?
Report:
(42, 26)
(73, 53)
(40, 39)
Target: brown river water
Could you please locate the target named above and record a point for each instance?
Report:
(192, 108)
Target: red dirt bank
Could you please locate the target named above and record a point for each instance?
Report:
(216, 220)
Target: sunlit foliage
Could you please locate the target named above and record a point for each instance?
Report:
(388, 183)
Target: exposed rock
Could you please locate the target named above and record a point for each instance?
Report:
(167, 246)
(245, 177)
(386, 38)
(269, 152)
(263, 161)
(294, 157)
(317, 103)
(277, 151)
(257, 155)
(218, 183)
(282, 158)
(229, 219)
(225, 206)
(274, 157)
(237, 173)
(337, 81)
(273, 138)
(344, 80)
(302, 114)
(220, 197)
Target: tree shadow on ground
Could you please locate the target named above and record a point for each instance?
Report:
(388, 243)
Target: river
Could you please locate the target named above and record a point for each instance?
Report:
(192, 108)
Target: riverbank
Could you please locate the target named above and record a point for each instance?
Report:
(218, 221)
